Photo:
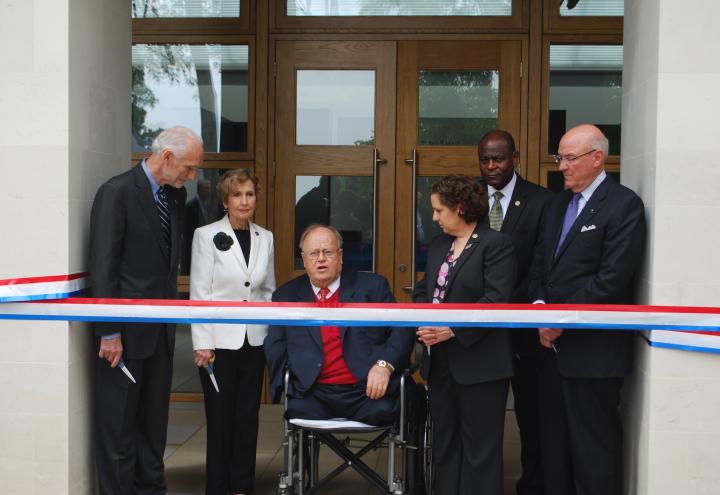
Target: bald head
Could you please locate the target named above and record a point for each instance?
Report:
(583, 150)
(590, 135)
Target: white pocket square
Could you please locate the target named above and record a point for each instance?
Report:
(585, 228)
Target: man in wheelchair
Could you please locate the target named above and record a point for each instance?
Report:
(351, 373)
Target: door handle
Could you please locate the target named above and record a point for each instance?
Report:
(413, 163)
(377, 161)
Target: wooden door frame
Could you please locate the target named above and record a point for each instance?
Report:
(346, 160)
(503, 55)
(526, 169)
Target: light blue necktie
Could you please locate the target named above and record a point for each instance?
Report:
(569, 220)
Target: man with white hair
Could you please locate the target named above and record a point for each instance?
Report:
(591, 247)
(136, 227)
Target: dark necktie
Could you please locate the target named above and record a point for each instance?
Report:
(496, 212)
(164, 214)
(569, 220)
(323, 294)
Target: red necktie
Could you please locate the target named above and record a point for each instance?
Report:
(323, 293)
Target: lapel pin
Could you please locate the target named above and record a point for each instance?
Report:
(517, 203)
(474, 236)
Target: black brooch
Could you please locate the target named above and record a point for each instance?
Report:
(222, 241)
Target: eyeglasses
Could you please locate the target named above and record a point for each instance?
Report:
(485, 160)
(570, 158)
(327, 253)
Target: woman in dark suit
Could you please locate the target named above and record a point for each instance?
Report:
(468, 369)
(232, 260)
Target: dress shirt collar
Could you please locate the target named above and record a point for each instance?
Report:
(335, 285)
(153, 183)
(589, 190)
(507, 193)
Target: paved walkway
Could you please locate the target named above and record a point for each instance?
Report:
(185, 455)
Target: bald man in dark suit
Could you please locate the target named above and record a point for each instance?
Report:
(591, 250)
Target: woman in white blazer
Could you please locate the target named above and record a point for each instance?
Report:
(232, 260)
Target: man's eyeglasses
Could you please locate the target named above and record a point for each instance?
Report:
(327, 253)
(570, 158)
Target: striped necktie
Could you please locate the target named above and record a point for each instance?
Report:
(164, 214)
(496, 212)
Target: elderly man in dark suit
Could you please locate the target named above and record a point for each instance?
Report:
(336, 372)
(590, 252)
(516, 208)
(136, 227)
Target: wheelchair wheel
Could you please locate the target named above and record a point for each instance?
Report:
(427, 454)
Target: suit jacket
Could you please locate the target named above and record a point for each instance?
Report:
(128, 258)
(301, 347)
(224, 276)
(598, 263)
(485, 273)
(522, 224)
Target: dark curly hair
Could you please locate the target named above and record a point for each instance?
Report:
(463, 192)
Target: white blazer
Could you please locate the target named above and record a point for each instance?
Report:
(217, 275)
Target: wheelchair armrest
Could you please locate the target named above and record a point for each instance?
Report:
(404, 376)
(411, 369)
(286, 382)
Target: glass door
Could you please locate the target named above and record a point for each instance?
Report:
(449, 94)
(335, 149)
(345, 157)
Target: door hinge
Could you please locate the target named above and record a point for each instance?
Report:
(521, 69)
(274, 68)
(274, 167)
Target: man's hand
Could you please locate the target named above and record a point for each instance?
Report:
(434, 335)
(377, 381)
(202, 357)
(111, 349)
(548, 336)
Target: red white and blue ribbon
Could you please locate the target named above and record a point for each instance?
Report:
(692, 328)
(42, 288)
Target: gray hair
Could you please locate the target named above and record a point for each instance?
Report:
(601, 143)
(175, 139)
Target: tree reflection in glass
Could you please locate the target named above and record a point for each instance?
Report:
(204, 87)
(457, 107)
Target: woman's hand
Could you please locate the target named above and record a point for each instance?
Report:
(203, 357)
(434, 335)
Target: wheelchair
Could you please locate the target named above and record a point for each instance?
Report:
(408, 440)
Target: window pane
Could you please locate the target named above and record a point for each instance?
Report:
(425, 228)
(346, 203)
(203, 87)
(585, 88)
(202, 207)
(335, 107)
(457, 107)
(400, 8)
(185, 8)
(601, 8)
